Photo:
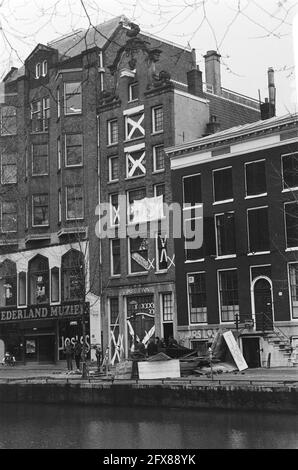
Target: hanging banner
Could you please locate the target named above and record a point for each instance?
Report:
(235, 351)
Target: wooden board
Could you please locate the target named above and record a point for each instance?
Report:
(159, 369)
(123, 370)
(235, 351)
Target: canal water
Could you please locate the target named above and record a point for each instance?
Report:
(26, 426)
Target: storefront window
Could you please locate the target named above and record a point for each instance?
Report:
(73, 276)
(55, 285)
(8, 284)
(39, 280)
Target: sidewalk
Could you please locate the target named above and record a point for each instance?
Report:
(59, 372)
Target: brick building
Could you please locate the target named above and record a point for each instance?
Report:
(244, 276)
(84, 121)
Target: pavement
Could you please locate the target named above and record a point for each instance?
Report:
(263, 376)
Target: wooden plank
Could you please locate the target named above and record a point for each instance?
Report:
(235, 351)
(159, 369)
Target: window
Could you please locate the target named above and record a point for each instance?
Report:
(37, 70)
(167, 307)
(46, 112)
(9, 217)
(113, 168)
(8, 168)
(38, 269)
(112, 132)
(115, 341)
(115, 257)
(159, 192)
(59, 154)
(228, 295)
(136, 163)
(290, 170)
(192, 193)
(73, 276)
(8, 120)
(114, 205)
(293, 277)
(73, 149)
(157, 119)
(258, 231)
(192, 228)
(74, 202)
(161, 252)
(134, 127)
(158, 158)
(255, 177)
(39, 159)
(55, 281)
(40, 210)
(59, 206)
(138, 255)
(44, 68)
(40, 115)
(197, 298)
(223, 184)
(8, 284)
(22, 289)
(133, 196)
(225, 234)
(72, 98)
(133, 92)
(58, 103)
(291, 220)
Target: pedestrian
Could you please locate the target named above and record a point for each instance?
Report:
(68, 350)
(151, 348)
(77, 354)
(98, 355)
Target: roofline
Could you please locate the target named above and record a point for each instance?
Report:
(235, 133)
(171, 43)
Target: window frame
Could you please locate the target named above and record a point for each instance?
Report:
(249, 251)
(289, 248)
(112, 274)
(293, 318)
(9, 116)
(66, 202)
(48, 206)
(3, 154)
(110, 158)
(221, 201)
(33, 157)
(153, 117)
(224, 256)
(251, 196)
(37, 70)
(188, 298)
(163, 295)
(154, 154)
(44, 68)
(66, 107)
(183, 191)
(287, 189)
(81, 146)
(219, 297)
(137, 273)
(110, 123)
(130, 92)
(9, 213)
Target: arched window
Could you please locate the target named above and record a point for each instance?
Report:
(8, 284)
(39, 280)
(73, 276)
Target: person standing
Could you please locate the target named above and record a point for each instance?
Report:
(68, 353)
(77, 354)
(98, 356)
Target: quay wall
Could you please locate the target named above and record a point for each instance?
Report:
(233, 397)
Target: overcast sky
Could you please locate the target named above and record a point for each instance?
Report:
(250, 35)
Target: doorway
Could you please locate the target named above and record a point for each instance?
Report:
(251, 351)
(40, 348)
(262, 290)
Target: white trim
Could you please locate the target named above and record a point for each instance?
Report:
(26, 288)
(32, 208)
(130, 86)
(139, 273)
(183, 192)
(65, 101)
(110, 168)
(112, 274)
(219, 257)
(253, 144)
(225, 201)
(184, 161)
(257, 195)
(252, 293)
(213, 185)
(188, 261)
(154, 158)
(59, 205)
(157, 270)
(232, 101)
(245, 179)
(295, 188)
(44, 68)
(188, 305)
(55, 302)
(289, 289)
(65, 150)
(189, 95)
(285, 226)
(258, 253)
(135, 110)
(289, 190)
(292, 249)
(153, 109)
(134, 148)
(110, 121)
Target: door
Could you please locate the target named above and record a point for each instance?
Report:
(251, 351)
(40, 348)
(2, 349)
(263, 305)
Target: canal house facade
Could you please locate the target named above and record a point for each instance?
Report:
(83, 122)
(244, 276)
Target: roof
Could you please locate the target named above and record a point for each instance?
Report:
(237, 133)
(78, 41)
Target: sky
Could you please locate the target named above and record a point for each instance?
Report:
(250, 35)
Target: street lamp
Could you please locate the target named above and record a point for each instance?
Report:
(84, 365)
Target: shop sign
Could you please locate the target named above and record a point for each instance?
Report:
(36, 312)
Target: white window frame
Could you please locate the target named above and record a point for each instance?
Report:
(139, 273)
(154, 158)
(16, 179)
(292, 248)
(223, 201)
(32, 158)
(135, 125)
(18, 289)
(230, 322)
(56, 302)
(252, 196)
(65, 151)
(157, 269)
(183, 193)
(218, 256)
(58, 103)
(66, 200)
(9, 231)
(185, 249)
(285, 190)
(289, 289)
(59, 153)
(137, 163)
(111, 180)
(65, 100)
(162, 294)
(154, 109)
(38, 70)
(110, 122)
(188, 300)
(249, 252)
(130, 87)
(59, 206)
(44, 68)
(114, 213)
(112, 274)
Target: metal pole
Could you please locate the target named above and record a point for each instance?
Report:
(84, 365)
(210, 358)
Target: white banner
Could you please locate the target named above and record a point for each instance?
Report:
(235, 351)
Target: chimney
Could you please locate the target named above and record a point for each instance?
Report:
(212, 126)
(268, 109)
(194, 78)
(212, 71)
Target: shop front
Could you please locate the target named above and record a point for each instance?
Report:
(39, 334)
